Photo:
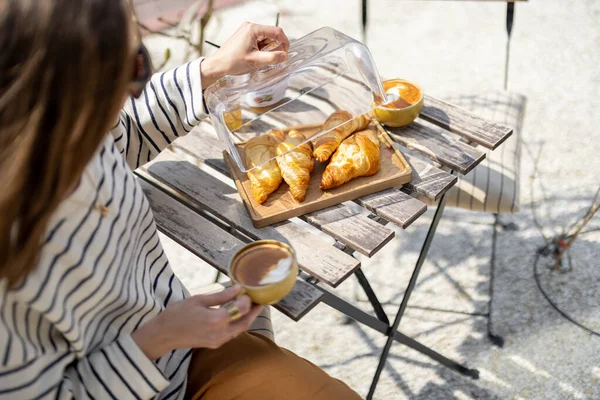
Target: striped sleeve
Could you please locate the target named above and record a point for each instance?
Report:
(119, 370)
(169, 107)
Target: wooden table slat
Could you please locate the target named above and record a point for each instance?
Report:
(215, 246)
(403, 219)
(200, 190)
(205, 148)
(434, 144)
(464, 124)
(395, 206)
(428, 180)
(352, 228)
(441, 113)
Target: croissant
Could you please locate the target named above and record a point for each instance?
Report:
(359, 155)
(329, 142)
(265, 178)
(296, 165)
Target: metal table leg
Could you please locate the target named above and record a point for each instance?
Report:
(411, 284)
(407, 293)
(366, 286)
(382, 326)
(364, 283)
(334, 301)
(421, 348)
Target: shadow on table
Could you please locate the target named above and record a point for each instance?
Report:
(218, 200)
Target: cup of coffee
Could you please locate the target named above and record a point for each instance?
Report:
(266, 269)
(403, 103)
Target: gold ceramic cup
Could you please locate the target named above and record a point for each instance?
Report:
(270, 293)
(404, 110)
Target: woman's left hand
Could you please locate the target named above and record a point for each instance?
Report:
(242, 52)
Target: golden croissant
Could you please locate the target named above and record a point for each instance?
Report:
(266, 177)
(359, 155)
(325, 145)
(297, 164)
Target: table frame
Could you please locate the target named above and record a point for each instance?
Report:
(382, 323)
(431, 142)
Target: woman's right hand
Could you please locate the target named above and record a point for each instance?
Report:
(243, 52)
(192, 323)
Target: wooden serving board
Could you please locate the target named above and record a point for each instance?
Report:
(280, 205)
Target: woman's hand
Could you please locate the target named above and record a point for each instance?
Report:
(191, 323)
(241, 53)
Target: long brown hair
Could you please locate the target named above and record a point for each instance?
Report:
(64, 67)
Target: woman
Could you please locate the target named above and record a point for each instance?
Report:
(89, 306)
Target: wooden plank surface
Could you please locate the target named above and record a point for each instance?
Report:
(280, 205)
(216, 247)
(427, 138)
(464, 124)
(394, 205)
(428, 180)
(348, 225)
(402, 215)
(203, 147)
(433, 143)
(432, 185)
(201, 191)
(292, 209)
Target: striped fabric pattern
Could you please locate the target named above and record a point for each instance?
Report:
(65, 332)
(493, 186)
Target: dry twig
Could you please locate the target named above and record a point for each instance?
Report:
(536, 162)
(559, 243)
(184, 28)
(564, 246)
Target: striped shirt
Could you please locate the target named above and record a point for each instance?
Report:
(66, 331)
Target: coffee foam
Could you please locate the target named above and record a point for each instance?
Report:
(277, 272)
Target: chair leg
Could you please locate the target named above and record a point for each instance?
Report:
(364, 20)
(495, 339)
(510, 16)
(407, 293)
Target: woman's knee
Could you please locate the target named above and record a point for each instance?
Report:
(252, 366)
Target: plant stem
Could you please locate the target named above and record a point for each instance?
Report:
(587, 218)
(203, 22)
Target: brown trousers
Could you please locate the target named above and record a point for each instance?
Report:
(252, 367)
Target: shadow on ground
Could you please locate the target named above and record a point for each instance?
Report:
(449, 308)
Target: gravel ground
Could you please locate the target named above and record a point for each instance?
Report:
(450, 48)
